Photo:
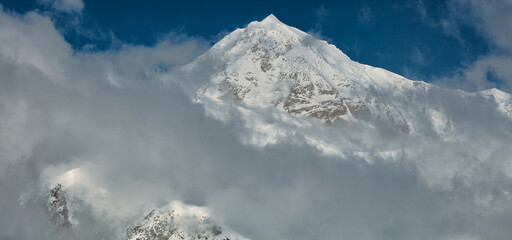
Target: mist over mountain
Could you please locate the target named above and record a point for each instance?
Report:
(270, 133)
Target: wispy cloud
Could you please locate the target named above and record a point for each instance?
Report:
(321, 14)
(418, 56)
(365, 15)
(493, 20)
(71, 6)
(448, 24)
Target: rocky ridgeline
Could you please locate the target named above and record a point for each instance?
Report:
(57, 206)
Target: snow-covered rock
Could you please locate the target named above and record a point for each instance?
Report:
(58, 207)
(179, 221)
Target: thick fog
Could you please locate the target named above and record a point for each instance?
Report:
(120, 121)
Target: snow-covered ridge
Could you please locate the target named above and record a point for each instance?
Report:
(502, 99)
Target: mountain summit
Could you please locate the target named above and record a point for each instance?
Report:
(270, 65)
(271, 19)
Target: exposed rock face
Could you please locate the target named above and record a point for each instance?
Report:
(57, 206)
(168, 225)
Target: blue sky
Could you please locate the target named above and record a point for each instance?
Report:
(434, 41)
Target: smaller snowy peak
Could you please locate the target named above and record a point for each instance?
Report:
(57, 206)
(179, 221)
(502, 99)
(496, 93)
(54, 200)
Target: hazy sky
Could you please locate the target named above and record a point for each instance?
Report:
(89, 87)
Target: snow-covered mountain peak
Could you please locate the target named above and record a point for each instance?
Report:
(271, 64)
(271, 69)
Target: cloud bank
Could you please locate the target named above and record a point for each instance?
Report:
(134, 141)
(492, 21)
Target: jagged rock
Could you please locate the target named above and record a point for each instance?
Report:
(57, 206)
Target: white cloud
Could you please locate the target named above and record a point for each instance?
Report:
(71, 6)
(321, 14)
(493, 20)
(447, 24)
(364, 15)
